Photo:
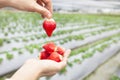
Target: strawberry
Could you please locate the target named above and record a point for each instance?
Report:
(55, 56)
(49, 26)
(44, 55)
(52, 52)
(49, 47)
(60, 50)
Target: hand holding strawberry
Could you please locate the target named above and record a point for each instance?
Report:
(52, 52)
(34, 68)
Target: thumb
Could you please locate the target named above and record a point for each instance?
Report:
(43, 11)
(63, 63)
(66, 55)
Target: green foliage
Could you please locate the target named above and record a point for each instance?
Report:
(25, 40)
(6, 33)
(84, 48)
(20, 52)
(114, 77)
(32, 38)
(100, 49)
(79, 50)
(77, 60)
(15, 49)
(1, 59)
(16, 39)
(9, 56)
(7, 41)
(1, 42)
(2, 78)
(30, 49)
(63, 71)
(87, 55)
(70, 64)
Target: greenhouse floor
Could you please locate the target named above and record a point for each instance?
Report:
(107, 70)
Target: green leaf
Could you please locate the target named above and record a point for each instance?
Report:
(9, 56)
(1, 59)
(1, 42)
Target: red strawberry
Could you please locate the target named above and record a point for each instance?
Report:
(44, 55)
(49, 47)
(49, 26)
(60, 50)
(55, 56)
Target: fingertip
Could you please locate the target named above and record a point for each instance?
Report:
(49, 15)
(67, 52)
(63, 64)
(43, 11)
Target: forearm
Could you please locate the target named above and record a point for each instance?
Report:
(26, 72)
(5, 3)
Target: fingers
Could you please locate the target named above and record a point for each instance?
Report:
(64, 61)
(40, 2)
(66, 55)
(48, 5)
(42, 10)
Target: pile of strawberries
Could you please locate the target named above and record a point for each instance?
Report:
(52, 52)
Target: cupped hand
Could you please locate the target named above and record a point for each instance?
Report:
(35, 68)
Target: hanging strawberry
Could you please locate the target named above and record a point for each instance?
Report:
(49, 26)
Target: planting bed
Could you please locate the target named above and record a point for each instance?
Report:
(92, 38)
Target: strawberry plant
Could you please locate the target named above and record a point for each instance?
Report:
(30, 49)
(17, 40)
(1, 42)
(70, 64)
(6, 34)
(15, 49)
(87, 55)
(8, 41)
(25, 40)
(100, 49)
(32, 38)
(9, 56)
(115, 77)
(20, 52)
(63, 71)
(83, 49)
(1, 59)
(77, 61)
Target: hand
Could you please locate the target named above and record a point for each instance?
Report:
(44, 7)
(35, 68)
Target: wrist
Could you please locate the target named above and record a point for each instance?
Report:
(29, 73)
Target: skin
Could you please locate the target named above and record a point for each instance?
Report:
(33, 69)
(43, 7)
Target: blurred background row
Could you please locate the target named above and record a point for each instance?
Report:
(90, 28)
